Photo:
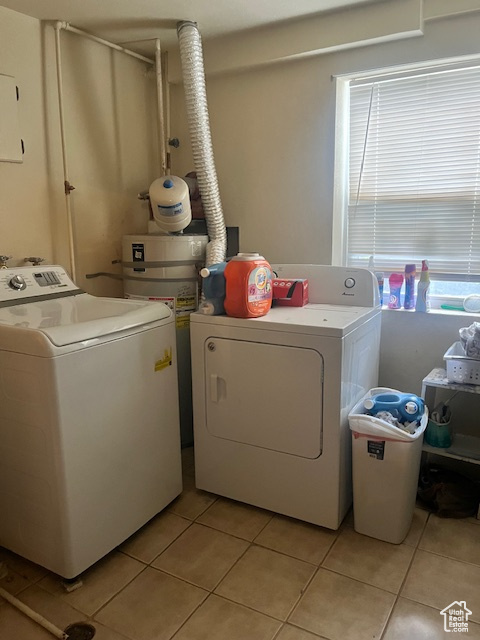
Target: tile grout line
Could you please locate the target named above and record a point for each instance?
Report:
(149, 564)
(238, 604)
(309, 582)
(302, 593)
(212, 592)
(93, 615)
(121, 635)
(266, 524)
(241, 604)
(227, 533)
(331, 548)
(81, 614)
(440, 555)
(397, 595)
(53, 595)
(416, 548)
(199, 514)
(278, 632)
(201, 603)
(209, 592)
(252, 543)
(246, 606)
(287, 555)
(429, 606)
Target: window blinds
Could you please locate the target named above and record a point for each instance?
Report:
(414, 172)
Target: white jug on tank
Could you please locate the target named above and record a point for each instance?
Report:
(170, 200)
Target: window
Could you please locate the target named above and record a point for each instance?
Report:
(412, 173)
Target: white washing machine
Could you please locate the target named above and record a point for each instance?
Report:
(89, 427)
(272, 395)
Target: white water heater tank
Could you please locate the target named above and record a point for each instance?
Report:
(165, 269)
(170, 201)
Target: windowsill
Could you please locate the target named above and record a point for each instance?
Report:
(475, 317)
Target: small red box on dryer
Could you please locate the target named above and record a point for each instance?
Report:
(290, 293)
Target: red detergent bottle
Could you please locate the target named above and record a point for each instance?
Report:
(248, 286)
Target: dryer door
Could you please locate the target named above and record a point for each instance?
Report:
(265, 395)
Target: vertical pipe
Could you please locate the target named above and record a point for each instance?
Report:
(67, 185)
(167, 107)
(161, 126)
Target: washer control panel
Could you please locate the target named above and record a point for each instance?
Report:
(27, 282)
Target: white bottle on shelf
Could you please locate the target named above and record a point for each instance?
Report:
(423, 301)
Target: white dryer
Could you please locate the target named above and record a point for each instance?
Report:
(89, 427)
(272, 395)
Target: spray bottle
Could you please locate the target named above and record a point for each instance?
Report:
(379, 276)
(423, 302)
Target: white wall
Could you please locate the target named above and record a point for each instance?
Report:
(414, 343)
(273, 129)
(111, 143)
(112, 150)
(25, 227)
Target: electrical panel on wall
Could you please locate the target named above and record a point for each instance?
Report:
(10, 141)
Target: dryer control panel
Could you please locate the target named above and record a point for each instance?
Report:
(22, 283)
(344, 286)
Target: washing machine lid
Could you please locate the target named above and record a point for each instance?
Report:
(314, 319)
(41, 307)
(74, 319)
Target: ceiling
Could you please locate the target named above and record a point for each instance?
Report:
(138, 22)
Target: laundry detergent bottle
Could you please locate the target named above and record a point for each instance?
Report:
(395, 282)
(213, 276)
(407, 407)
(248, 292)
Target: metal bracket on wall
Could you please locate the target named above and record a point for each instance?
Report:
(68, 187)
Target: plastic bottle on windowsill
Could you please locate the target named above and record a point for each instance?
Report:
(423, 301)
(410, 273)
(379, 276)
(395, 282)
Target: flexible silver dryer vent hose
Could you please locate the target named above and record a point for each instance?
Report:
(199, 126)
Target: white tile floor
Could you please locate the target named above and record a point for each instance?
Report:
(208, 568)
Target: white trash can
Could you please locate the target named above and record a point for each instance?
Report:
(386, 465)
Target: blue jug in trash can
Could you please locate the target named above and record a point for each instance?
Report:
(406, 407)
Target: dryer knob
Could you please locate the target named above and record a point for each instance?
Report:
(349, 283)
(17, 283)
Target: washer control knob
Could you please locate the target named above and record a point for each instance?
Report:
(17, 283)
(349, 283)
